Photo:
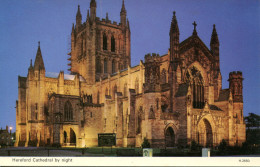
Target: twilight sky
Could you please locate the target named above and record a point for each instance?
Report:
(25, 22)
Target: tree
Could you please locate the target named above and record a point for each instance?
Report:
(252, 121)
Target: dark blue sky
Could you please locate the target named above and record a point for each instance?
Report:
(25, 22)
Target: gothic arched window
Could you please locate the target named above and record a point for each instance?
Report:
(113, 66)
(104, 42)
(68, 113)
(194, 78)
(105, 65)
(113, 44)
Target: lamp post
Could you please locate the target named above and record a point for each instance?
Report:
(11, 140)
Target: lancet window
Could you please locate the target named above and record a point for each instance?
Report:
(105, 65)
(104, 42)
(113, 66)
(113, 44)
(68, 113)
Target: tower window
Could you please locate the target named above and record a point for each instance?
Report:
(98, 65)
(36, 106)
(113, 44)
(105, 65)
(104, 42)
(113, 66)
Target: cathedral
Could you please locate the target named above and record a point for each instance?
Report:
(170, 99)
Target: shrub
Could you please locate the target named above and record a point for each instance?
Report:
(146, 143)
(194, 146)
(223, 145)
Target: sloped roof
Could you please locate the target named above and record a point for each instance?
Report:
(182, 90)
(223, 95)
(189, 42)
(213, 107)
(66, 76)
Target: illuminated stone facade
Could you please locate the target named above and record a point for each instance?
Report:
(170, 99)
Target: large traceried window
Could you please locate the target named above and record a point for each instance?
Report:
(68, 113)
(194, 78)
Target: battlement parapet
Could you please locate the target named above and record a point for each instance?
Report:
(235, 75)
(152, 58)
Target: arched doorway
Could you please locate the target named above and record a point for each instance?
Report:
(208, 131)
(169, 137)
(205, 135)
(65, 137)
(72, 137)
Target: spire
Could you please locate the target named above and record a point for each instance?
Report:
(194, 30)
(106, 16)
(123, 14)
(78, 18)
(214, 36)
(174, 38)
(123, 7)
(88, 15)
(93, 4)
(174, 24)
(38, 64)
(30, 67)
(78, 12)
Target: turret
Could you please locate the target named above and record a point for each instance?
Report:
(78, 18)
(174, 39)
(152, 73)
(214, 47)
(236, 85)
(93, 6)
(123, 14)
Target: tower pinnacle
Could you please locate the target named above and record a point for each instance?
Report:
(123, 14)
(38, 64)
(214, 36)
(78, 18)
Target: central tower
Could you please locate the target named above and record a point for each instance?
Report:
(99, 47)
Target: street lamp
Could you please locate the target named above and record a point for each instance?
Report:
(11, 129)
